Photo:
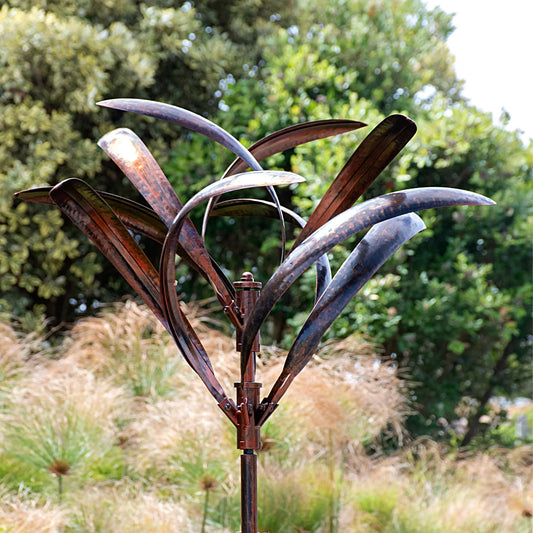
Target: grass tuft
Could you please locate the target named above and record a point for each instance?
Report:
(118, 416)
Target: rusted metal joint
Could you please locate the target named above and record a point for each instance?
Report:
(263, 411)
(247, 291)
(230, 410)
(248, 432)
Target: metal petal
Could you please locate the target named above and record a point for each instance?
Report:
(92, 215)
(167, 268)
(286, 139)
(375, 248)
(37, 195)
(253, 207)
(237, 182)
(185, 118)
(132, 156)
(351, 221)
(192, 349)
(370, 158)
(181, 330)
(134, 159)
(133, 215)
(293, 136)
(95, 218)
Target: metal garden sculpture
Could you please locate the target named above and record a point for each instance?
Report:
(110, 220)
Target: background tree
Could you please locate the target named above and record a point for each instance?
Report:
(453, 307)
(56, 60)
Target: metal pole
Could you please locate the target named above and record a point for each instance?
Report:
(248, 397)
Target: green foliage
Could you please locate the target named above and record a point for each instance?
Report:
(453, 306)
(56, 60)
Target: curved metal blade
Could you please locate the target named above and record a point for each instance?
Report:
(179, 327)
(190, 346)
(137, 217)
(293, 136)
(95, 218)
(381, 241)
(253, 207)
(238, 182)
(370, 158)
(36, 195)
(282, 140)
(185, 118)
(92, 215)
(167, 267)
(132, 156)
(351, 221)
(199, 124)
(133, 215)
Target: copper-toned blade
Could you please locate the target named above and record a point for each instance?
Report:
(134, 159)
(286, 139)
(234, 183)
(133, 215)
(132, 156)
(370, 158)
(175, 318)
(92, 215)
(137, 217)
(95, 218)
(293, 136)
(253, 207)
(351, 221)
(238, 182)
(375, 248)
(190, 345)
(36, 195)
(186, 119)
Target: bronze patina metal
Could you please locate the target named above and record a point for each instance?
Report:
(109, 221)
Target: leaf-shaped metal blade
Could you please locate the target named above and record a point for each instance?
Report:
(179, 327)
(132, 156)
(286, 139)
(37, 195)
(134, 159)
(238, 182)
(137, 217)
(351, 221)
(293, 136)
(133, 215)
(253, 207)
(194, 353)
(95, 218)
(186, 119)
(167, 268)
(370, 158)
(375, 248)
(92, 215)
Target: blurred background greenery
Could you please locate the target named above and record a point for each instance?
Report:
(451, 311)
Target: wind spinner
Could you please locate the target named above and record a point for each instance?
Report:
(110, 220)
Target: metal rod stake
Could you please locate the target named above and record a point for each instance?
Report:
(248, 399)
(248, 492)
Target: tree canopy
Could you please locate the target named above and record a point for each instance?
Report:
(452, 308)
